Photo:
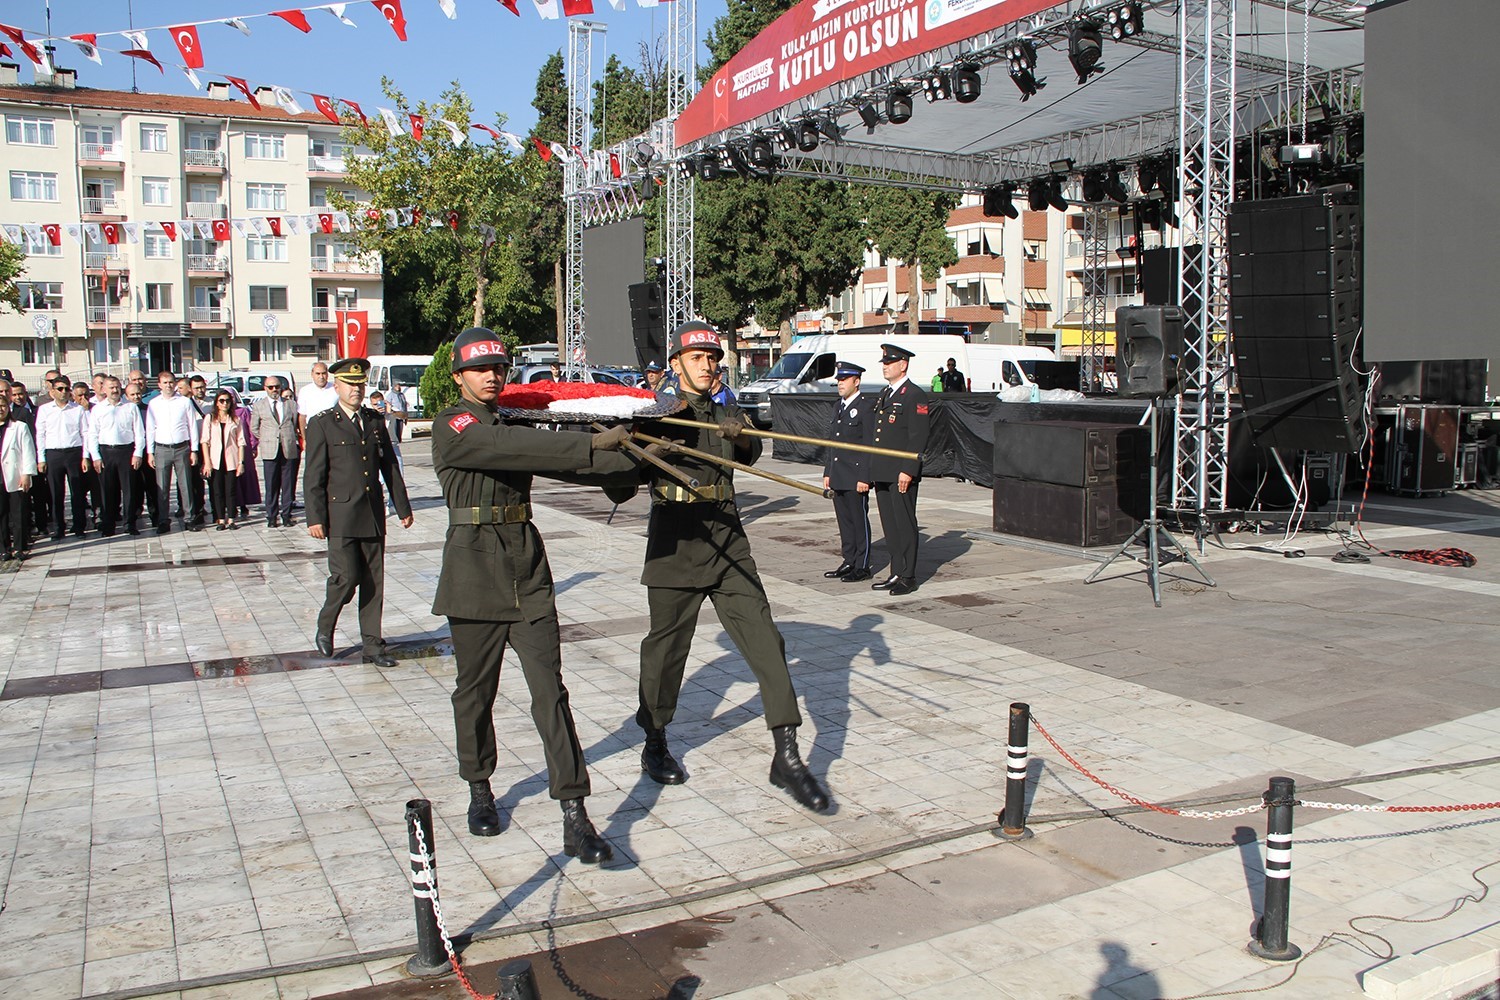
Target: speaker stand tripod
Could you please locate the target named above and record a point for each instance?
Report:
(1152, 529)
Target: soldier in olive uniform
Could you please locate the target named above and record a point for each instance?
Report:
(900, 424)
(696, 548)
(496, 586)
(847, 474)
(348, 454)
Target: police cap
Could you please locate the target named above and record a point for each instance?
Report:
(477, 347)
(847, 369)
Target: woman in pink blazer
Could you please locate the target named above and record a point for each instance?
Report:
(223, 454)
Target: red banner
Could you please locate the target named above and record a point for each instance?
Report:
(819, 43)
(354, 333)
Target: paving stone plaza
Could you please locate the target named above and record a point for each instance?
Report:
(195, 803)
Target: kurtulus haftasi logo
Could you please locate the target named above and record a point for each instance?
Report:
(819, 43)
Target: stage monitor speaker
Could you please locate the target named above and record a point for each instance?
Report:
(1071, 453)
(1295, 313)
(648, 323)
(1148, 346)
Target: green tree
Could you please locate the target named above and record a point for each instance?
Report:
(12, 266)
(437, 387)
(539, 242)
(909, 225)
(473, 198)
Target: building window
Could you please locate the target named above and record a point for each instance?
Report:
(32, 185)
(203, 140)
(262, 146)
(318, 198)
(268, 298)
(156, 246)
(325, 348)
(153, 138)
(210, 350)
(22, 130)
(158, 296)
(36, 351)
(41, 295)
(346, 298)
(156, 191)
(39, 247)
(265, 248)
(270, 349)
(265, 197)
(877, 297)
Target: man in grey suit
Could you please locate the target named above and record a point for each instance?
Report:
(273, 422)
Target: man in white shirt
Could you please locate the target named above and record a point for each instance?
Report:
(61, 427)
(172, 427)
(315, 397)
(116, 446)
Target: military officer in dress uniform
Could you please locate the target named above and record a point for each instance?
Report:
(847, 474)
(496, 585)
(901, 424)
(348, 454)
(696, 548)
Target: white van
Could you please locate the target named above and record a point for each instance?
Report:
(388, 369)
(807, 366)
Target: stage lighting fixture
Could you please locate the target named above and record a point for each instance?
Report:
(785, 137)
(761, 153)
(966, 83)
(1147, 175)
(646, 187)
(644, 153)
(807, 137)
(1114, 187)
(870, 115)
(1085, 46)
(1302, 154)
(830, 129)
(898, 106)
(1062, 166)
(935, 87)
(686, 167)
(1036, 195)
(1000, 201)
(708, 166)
(1093, 186)
(1124, 21)
(1054, 193)
(1021, 55)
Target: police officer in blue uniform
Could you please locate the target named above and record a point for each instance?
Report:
(900, 424)
(847, 474)
(348, 456)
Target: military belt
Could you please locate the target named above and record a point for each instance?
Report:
(515, 513)
(672, 493)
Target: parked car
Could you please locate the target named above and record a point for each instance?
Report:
(251, 385)
(387, 369)
(543, 373)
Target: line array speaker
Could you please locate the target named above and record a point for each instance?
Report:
(1295, 308)
(648, 323)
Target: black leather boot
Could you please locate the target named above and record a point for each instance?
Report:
(658, 762)
(484, 818)
(788, 771)
(580, 839)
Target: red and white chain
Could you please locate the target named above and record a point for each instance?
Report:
(425, 882)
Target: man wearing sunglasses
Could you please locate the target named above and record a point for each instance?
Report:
(61, 427)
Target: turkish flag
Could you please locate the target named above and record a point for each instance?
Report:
(274, 221)
(543, 149)
(362, 119)
(391, 11)
(146, 55)
(417, 121)
(221, 229)
(510, 5)
(111, 233)
(453, 220)
(354, 332)
(575, 8)
(324, 105)
(244, 88)
(295, 18)
(614, 165)
(186, 37)
(325, 221)
(54, 233)
(416, 216)
(170, 228)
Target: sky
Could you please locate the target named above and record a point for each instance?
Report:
(494, 55)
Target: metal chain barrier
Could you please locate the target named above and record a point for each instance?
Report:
(1375, 807)
(428, 885)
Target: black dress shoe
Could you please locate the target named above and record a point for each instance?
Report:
(324, 644)
(58, 537)
(484, 818)
(788, 771)
(580, 839)
(381, 659)
(857, 575)
(162, 529)
(903, 586)
(885, 584)
(132, 530)
(288, 522)
(843, 570)
(273, 523)
(657, 761)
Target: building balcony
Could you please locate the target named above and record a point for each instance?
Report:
(350, 266)
(208, 315)
(103, 208)
(198, 161)
(207, 265)
(100, 260)
(106, 315)
(105, 155)
(323, 316)
(1111, 303)
(207, 210)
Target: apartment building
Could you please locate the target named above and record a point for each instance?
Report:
(77, 155)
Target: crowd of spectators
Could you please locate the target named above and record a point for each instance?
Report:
(101, 455)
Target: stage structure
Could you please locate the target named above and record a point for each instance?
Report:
(901, 93)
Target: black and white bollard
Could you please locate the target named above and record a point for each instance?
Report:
(1271, 931)
(1017, 757)
(431, 958)
(517, 981)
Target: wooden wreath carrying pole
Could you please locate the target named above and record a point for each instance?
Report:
(741, 466)
(646, 456)
(795, 438)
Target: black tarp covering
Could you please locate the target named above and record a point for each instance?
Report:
(961, 441)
